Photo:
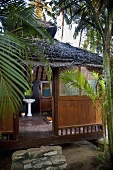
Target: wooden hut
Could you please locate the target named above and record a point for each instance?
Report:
(73, 114)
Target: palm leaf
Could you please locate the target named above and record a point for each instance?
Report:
(12, 78)
(74, 78)
(15, 21)
(14, 50)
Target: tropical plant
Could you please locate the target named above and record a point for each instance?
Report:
(74, 78)
(103, 163)
(12, 77)
(21, 20)
(19, 26)
(97, 14)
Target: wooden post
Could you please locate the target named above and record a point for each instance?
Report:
(16, 126)
(55, 92)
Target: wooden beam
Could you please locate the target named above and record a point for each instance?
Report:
(46, 78)
(16, 126)
(37, 71)
(55, 94)
(42, 72)
(54, 140)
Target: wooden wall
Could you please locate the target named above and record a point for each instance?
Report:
(9, 127)
(6, 127)
(77, 110)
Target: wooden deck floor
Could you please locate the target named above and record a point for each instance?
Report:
(35, 126)
(34, 131)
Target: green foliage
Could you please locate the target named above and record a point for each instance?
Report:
(90, 17)
(20, 26)
(75, 78)
(101, 91)
(22, 21)
(28, 93)
(93, 40)
(103, 162)
(101, 82)
(12, 77)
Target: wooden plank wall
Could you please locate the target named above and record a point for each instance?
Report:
(77, 110)
(6, 127)
(6, 124)
(9, 127)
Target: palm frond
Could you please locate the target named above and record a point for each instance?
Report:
(20, 27)
(16, 21)
(74, 78)
(12, 78)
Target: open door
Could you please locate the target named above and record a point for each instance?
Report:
(45, 96)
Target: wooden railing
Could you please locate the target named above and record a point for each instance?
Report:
(81, 129)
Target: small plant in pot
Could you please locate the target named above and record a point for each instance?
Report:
(28, 93)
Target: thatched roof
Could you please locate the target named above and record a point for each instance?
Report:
(63, 54)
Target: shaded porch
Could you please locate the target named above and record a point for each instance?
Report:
(34, 127)
(35, 132)
(39, 127)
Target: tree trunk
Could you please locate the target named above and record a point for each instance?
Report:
(109, 111)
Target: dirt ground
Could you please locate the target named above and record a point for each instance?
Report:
(79, 156)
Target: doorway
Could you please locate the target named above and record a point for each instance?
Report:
(39, 125)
